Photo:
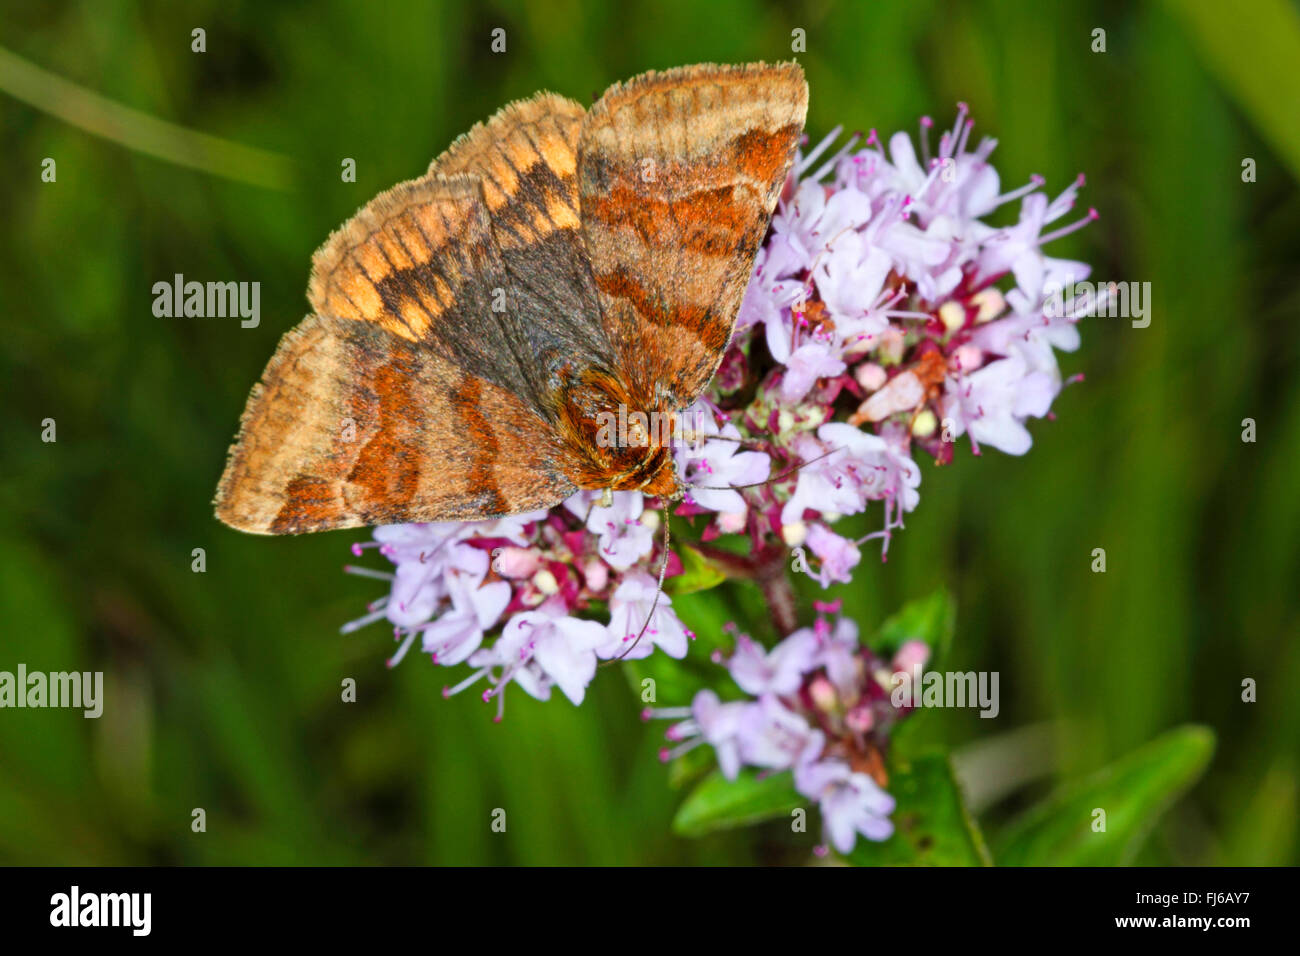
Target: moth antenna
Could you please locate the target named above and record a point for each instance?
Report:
(768, 481)
(659, 589)
(697, 439)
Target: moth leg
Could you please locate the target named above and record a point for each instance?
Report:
(606, 500)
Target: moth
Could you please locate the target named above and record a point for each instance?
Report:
(471, 326)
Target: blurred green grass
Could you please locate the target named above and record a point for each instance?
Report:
(225, 686)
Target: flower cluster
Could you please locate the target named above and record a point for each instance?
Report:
(820, 706)
(884, 314)
(877, 296)
(455, 582)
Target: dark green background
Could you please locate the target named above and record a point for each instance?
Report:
(224, 687)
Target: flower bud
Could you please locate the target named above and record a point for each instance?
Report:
(823, 694)
(892, 344)
(924, 424)
(596, 574)
(911, 656)
(990, 304)
(953, 315)
(516, 562)
(967, 358)
(870, 376)
(860, 719)
(545, 582)
(905, 391)
(731, 522)
(794, 533)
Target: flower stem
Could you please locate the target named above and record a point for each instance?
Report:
(766, 568)
(779, 594)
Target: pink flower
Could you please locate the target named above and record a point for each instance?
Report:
(993, 403)
(837, 556)
(544, 648)
(910, 656)
(420, 585)
(768, 293)
(778, 671)
(1018, 249)
(457, 633)
(775, 737)
(710, 468)
(855, 467)
(818, 706)
(805, 365)
(630, 612)
(840, 654)
(624, 540)
(720, 725)
(851, 803)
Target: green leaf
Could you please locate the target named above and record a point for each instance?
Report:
(691, 767)
(931, 619)
(1254, 56)
(932, 826)
(718, 803)
(698, 573)
(1134, 791)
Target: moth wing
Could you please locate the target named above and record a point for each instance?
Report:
(678, 174)
(525, 157)
(354, 426)
(525, 314)
(418, 261)
(403, 399)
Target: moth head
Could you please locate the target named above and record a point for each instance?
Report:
(624, 442)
